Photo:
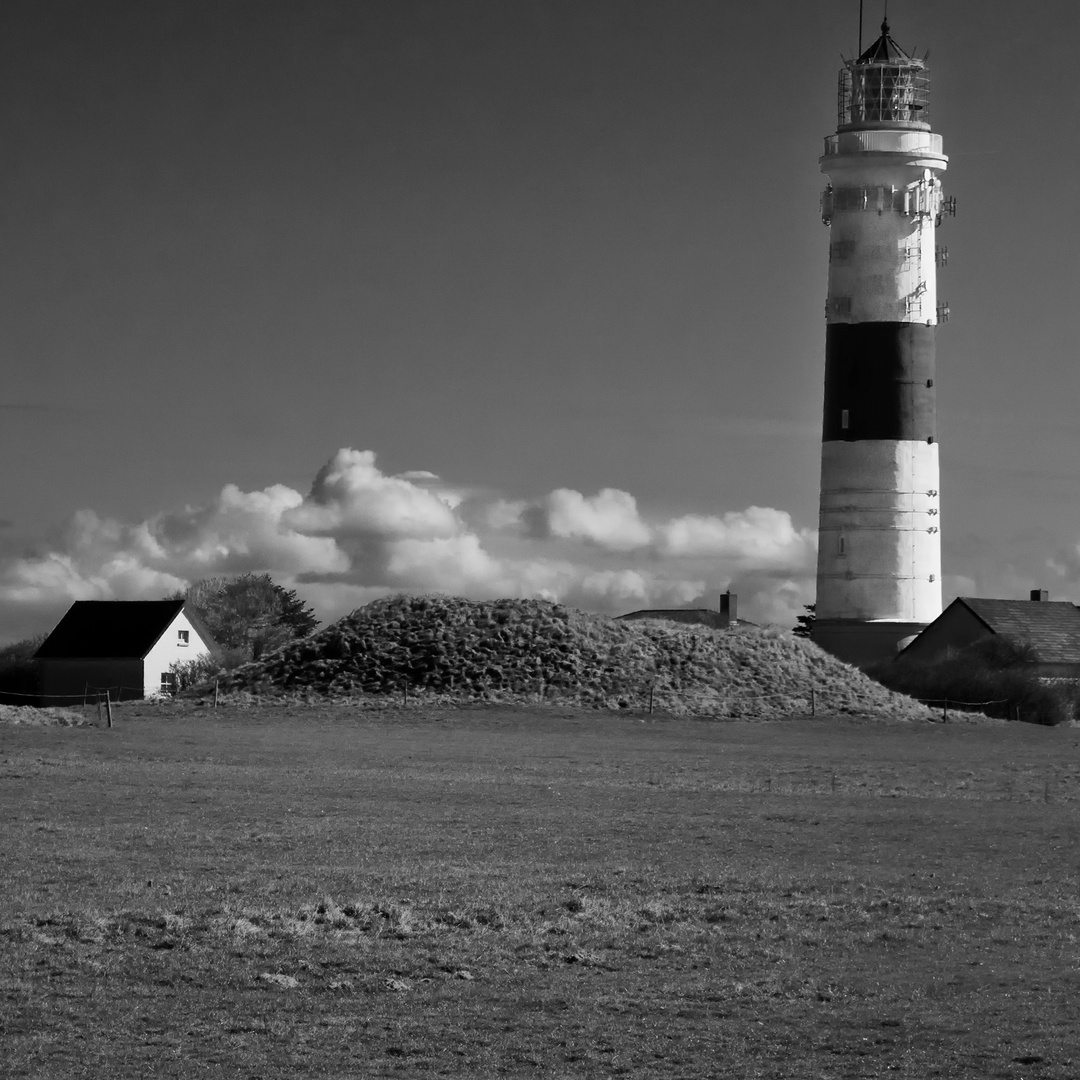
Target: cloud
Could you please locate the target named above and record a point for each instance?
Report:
(623, 589)
(360, 533)
(953, 585)
(456, 564)
(242, 532)
(351, 497)
(1061, 573)
(758, 534)
(608, 519)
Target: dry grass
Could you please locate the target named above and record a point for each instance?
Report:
(516, 651)
(284, 892)
(27, 714)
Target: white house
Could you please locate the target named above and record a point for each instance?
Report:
(127, 646)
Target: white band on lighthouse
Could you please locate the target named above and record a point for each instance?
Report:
(879, 551)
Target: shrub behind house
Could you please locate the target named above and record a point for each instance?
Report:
(996, 669)
(19, 676)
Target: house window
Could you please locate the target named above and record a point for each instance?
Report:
(168, 682)
(183, 637)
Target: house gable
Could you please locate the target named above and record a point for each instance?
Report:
(179, 643)
(126, 645)
(1052, 628)
(955, 628)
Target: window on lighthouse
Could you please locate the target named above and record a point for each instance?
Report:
(844, 419)
(841, 545)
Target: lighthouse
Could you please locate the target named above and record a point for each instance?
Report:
(879, 547)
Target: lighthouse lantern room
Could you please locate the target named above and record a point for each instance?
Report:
(879, 554)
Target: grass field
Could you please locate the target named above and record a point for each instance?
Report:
(295, 892)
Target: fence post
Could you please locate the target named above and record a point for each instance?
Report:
(651, 687)
(405, 691)
(99, 708)
(215, 692)
(813, 702)
(86, 691)
(945, 712)
(108, 707)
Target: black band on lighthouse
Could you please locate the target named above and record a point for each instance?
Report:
(879, 381)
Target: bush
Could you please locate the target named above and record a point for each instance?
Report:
(19, 677)
(996, 669)
(206, 668)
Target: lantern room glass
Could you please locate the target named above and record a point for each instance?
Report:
(892, 94)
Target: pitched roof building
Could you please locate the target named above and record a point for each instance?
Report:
(127, 646)
(726, 616)
(1050, 627)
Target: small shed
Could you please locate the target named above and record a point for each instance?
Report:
(1050, 627)
(717, 620)
(127, 646)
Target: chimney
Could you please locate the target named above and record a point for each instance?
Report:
(1040, 594)
(729, 605)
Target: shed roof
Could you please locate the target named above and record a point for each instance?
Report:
(1052, 627)
(114, 629)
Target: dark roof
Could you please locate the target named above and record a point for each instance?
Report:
(112, 629)
(718, 620)
(884, 50)
(1051, 626)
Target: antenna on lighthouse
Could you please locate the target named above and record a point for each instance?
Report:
(859, 53)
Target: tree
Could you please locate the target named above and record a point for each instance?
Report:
(18, 669)
(804, 624)
(249, 615)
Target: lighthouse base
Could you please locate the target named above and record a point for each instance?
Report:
(863, 643)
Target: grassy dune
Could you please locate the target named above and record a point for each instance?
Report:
(284, 892)
(517, 651)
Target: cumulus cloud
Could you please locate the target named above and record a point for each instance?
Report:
(759, 534)
(360, 533)
(241, 531)
(609, 519)
(351, 497)
(456, 564)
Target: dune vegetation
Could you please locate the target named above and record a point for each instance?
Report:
(529, 651)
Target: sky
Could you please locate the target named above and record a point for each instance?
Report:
(496, 297)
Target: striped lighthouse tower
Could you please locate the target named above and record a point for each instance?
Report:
(879, 553)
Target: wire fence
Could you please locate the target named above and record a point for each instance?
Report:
(1008, 709)
(87, 697)
(657, 697)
